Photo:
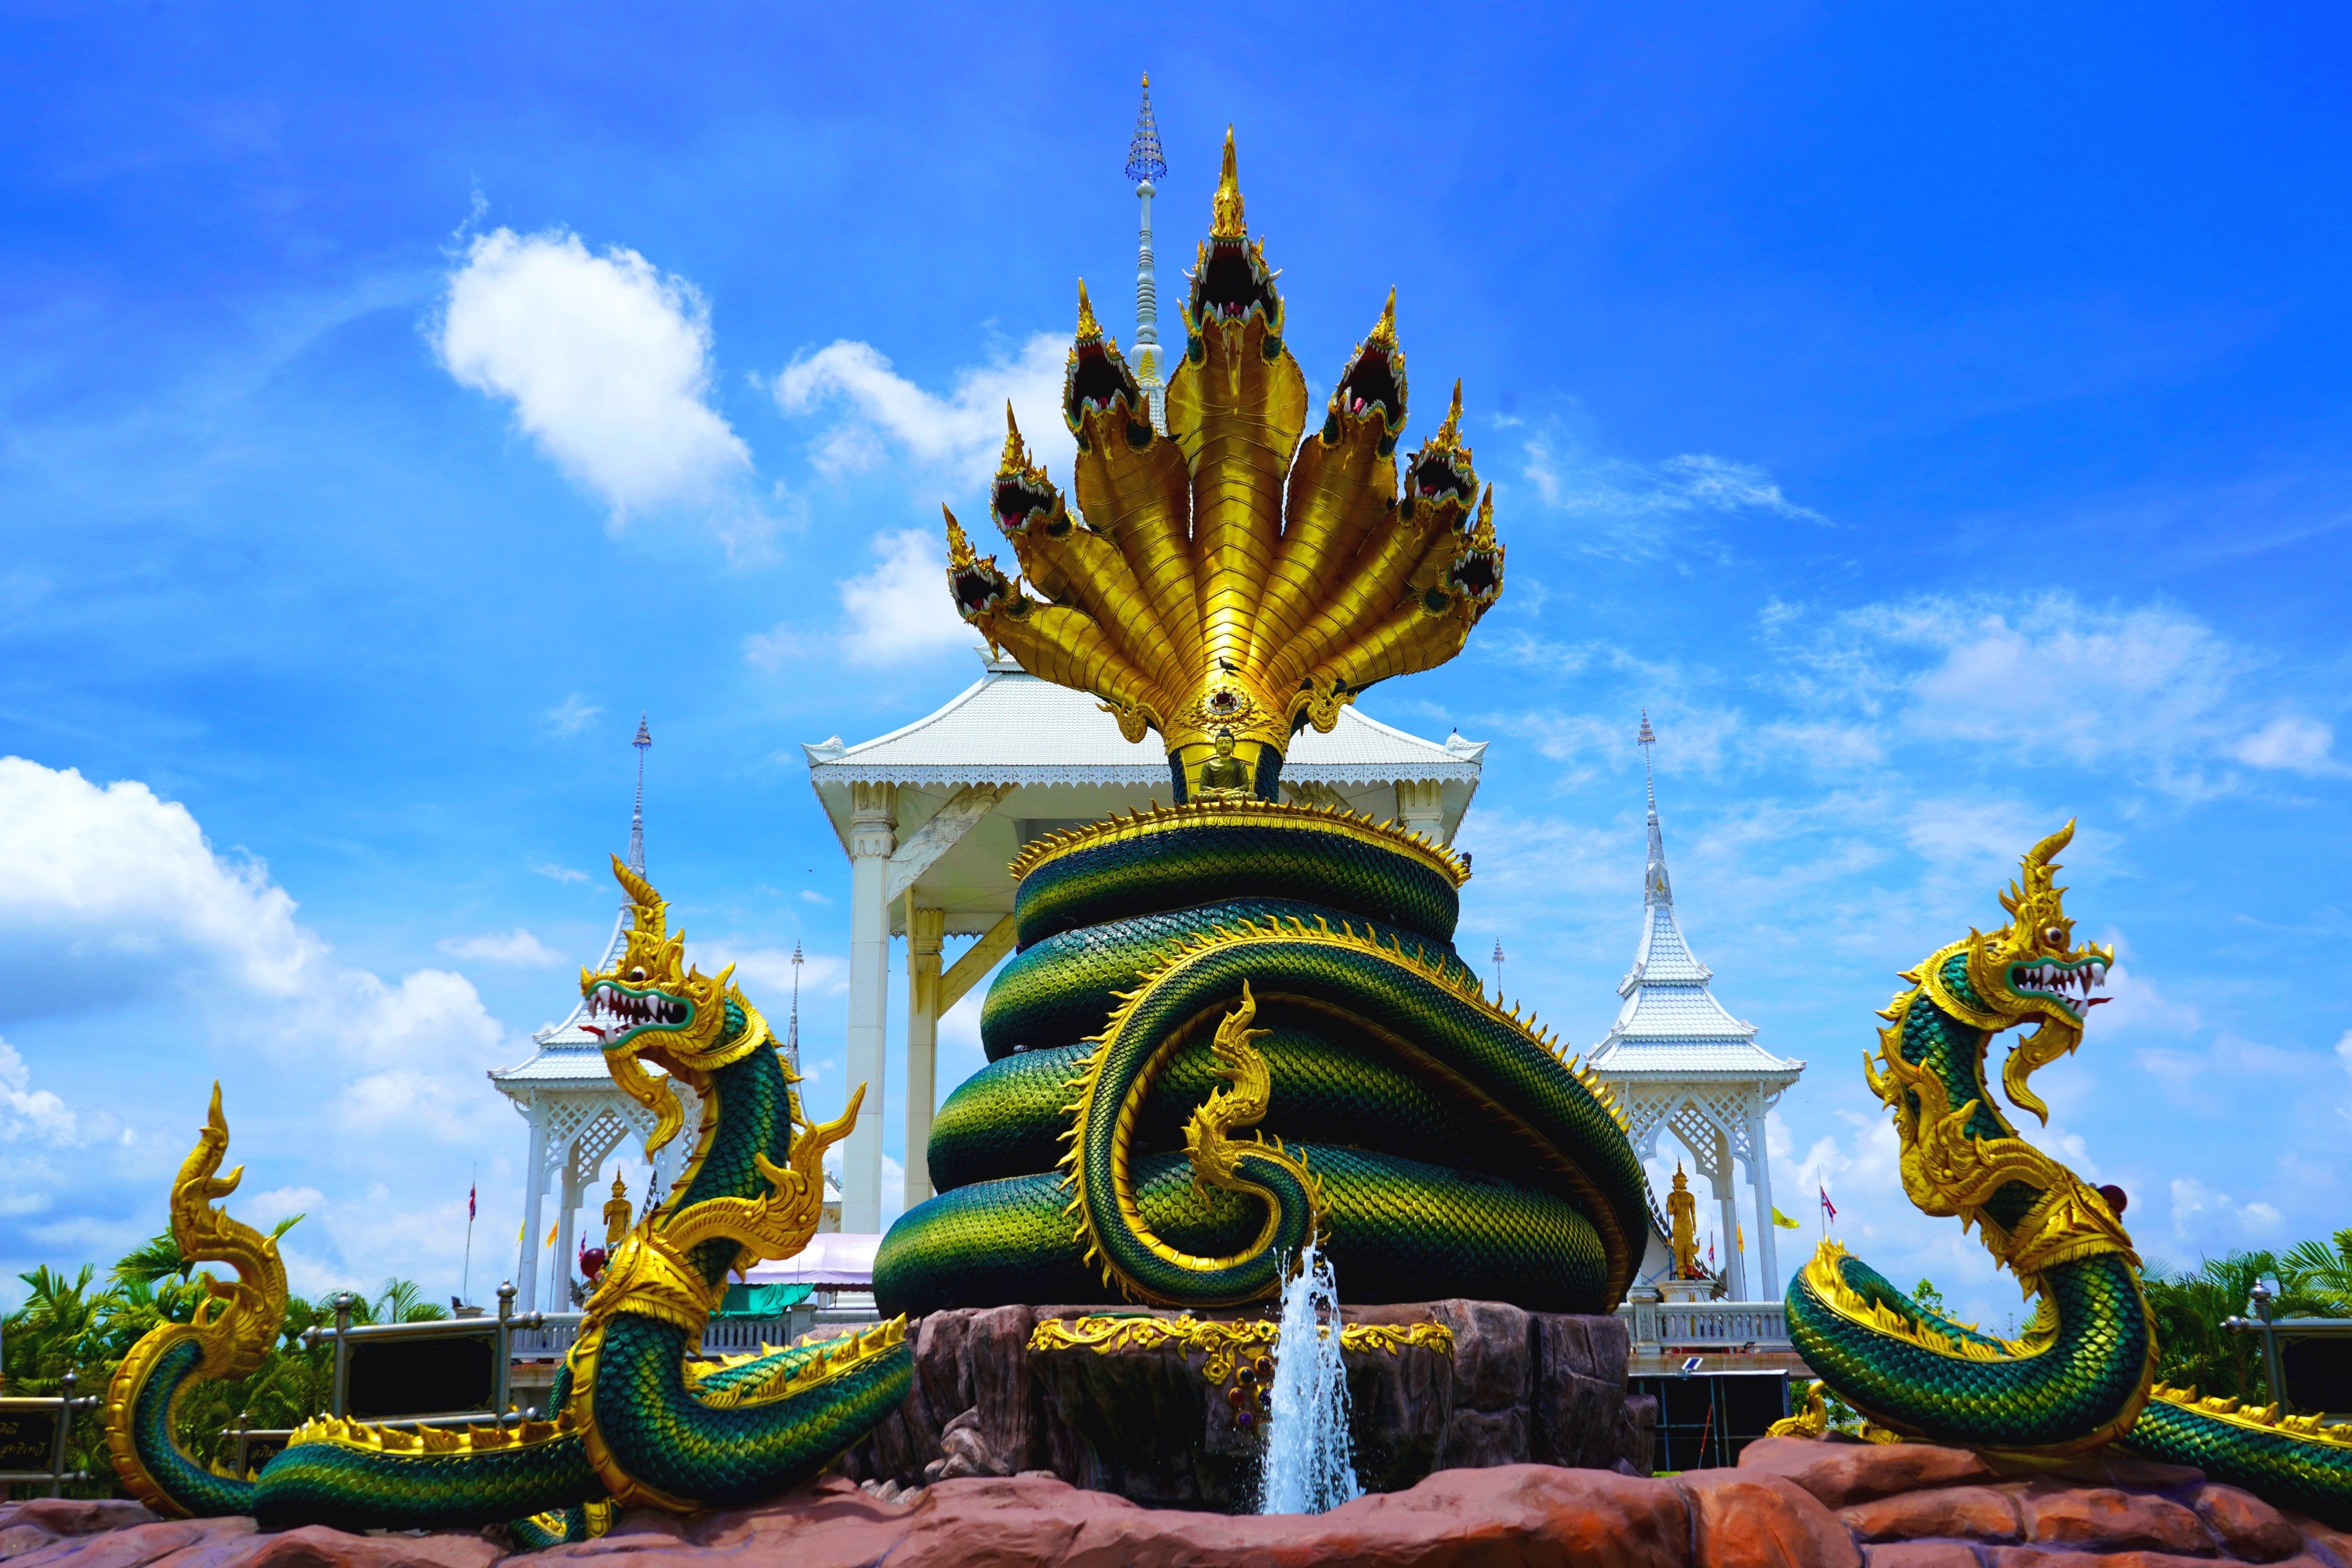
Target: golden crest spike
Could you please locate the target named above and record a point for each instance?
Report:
(1017, 453)
(1449, 433)
(1483, 536)
(960, 553)
(1090, 329)
(1227, 208)
(1383, 333)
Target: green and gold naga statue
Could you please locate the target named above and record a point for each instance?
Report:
(1234, 1024)
(2082, 1375)
(636, 1417)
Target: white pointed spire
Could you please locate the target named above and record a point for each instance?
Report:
(638, 815)
(1655, 888)
(1145, 164)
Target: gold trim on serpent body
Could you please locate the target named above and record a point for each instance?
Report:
(1141, 824)
(2267, 1418)
(1197, 947)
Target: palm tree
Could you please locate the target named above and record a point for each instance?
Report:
(2322, 1272)
(2192, 1348)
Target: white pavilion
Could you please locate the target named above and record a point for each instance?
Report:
(1677, 1060)
(931, 815)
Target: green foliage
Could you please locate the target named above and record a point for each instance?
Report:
(2192, 1348)
(74, 1323)
(2322, 1272)
(1927, 1296)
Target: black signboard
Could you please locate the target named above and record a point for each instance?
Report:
(28, 1439)
(260, 1448)
(2318, 1373)
(445, 1375)
(1706, 1419)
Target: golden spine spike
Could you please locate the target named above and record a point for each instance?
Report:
(1090, 329)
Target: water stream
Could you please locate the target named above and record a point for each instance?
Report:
(1309, 1457)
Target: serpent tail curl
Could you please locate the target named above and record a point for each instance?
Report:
(1234, 1026)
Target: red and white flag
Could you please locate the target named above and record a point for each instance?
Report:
(1827, 1207)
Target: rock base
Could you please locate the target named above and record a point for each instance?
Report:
(1790, 1504)
(1149, 1425)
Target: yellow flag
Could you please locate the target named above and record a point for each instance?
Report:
(551, 1234)
(1783, 1221)
(1741, 1232)
(519, 1232)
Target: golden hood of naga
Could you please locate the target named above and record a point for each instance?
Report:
(1226, 583)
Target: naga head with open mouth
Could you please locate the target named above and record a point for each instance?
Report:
(652, 1006)
(1370, 396)
(1475, 577)
(1097, 387)
(2030, 971)
(1233, 287)
(1440, 485)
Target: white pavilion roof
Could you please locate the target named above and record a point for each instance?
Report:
(1010, 727)
(1671, 1025)
(1059, 762)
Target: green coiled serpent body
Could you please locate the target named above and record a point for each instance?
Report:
(711, 1438)
(2080, 1377)
(1444, 1150)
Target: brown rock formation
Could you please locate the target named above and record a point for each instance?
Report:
(1520, 1387)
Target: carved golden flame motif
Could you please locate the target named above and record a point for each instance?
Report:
(1226, 583)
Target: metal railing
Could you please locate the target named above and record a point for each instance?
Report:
(60, 1410)
(1680, 1324)
(2273, 1330)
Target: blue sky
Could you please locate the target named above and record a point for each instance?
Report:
(1937, 422)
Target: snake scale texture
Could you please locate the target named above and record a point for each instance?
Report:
(2082, 1375)
(1188, 973)
(638, 1416)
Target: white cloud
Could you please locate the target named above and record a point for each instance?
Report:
(2292, 741)
(606, 359)
(766, 974)
(570, 716)
(2343, 1050)
(560, 873)
(517, 947)
(900, 610)
(897, 612)
(24, 1110)
(115, 898)
(2216, 1222)
(2150, 687)
(957, 435)
(1642, 501)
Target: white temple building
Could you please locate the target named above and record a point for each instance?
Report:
(578, 1118)
(1677, 1060)
(932, 816)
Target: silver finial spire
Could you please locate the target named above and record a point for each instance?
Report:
(1656, 888)
(792, 1029)
(637, 817)
(1144, 164)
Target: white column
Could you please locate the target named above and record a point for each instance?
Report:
(561, 1270)
(1759, 1167)
(873, 834)
(926, 930)
(534, 1181)
(1421, 809)
(1726, 1193)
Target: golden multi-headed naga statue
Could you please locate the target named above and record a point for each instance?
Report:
(1226, 578)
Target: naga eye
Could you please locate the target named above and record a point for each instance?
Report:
(637, 974)
(2053, 935)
